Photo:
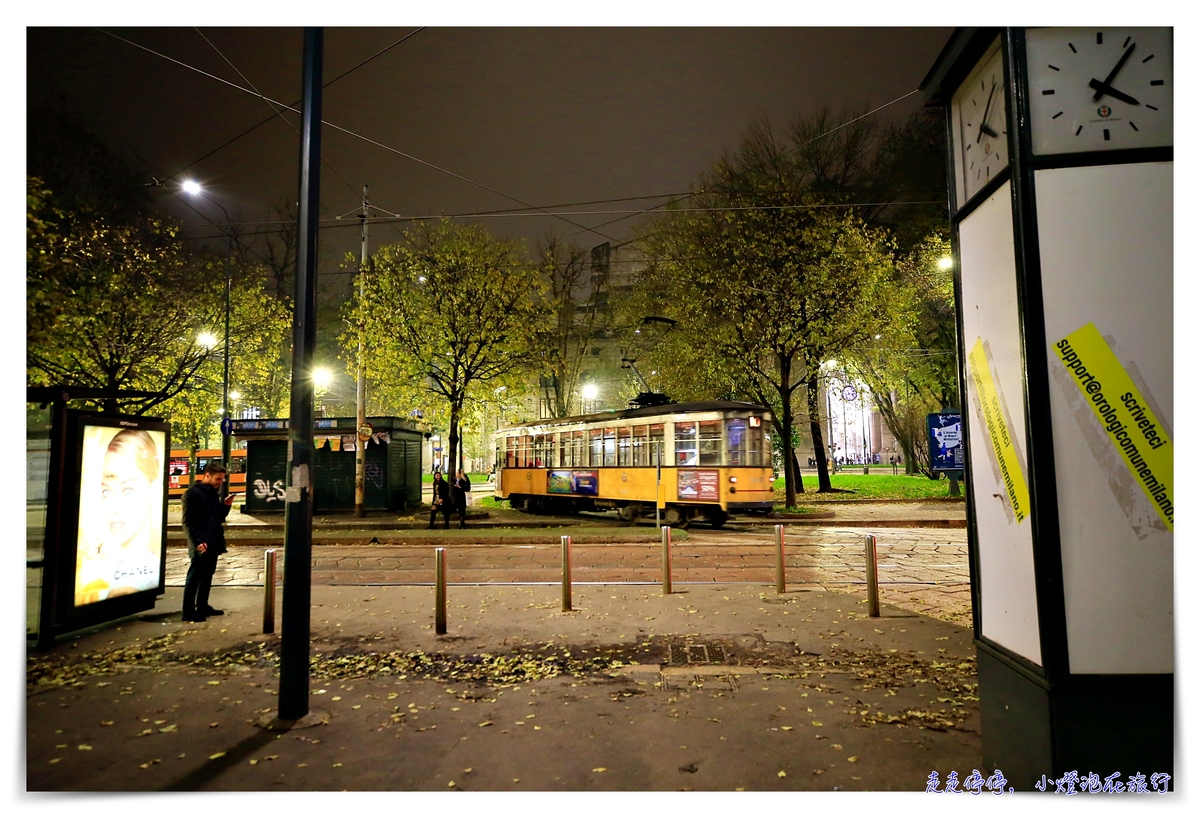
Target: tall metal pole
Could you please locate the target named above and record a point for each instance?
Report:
(297, 579)
(360, 449)
(225, 439)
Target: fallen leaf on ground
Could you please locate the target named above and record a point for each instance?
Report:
(215, 756)
(599, 769)
(782, 774)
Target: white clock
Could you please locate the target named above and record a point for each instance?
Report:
(980, 115)
(1099, 88)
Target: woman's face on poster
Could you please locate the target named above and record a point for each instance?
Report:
(125, 498)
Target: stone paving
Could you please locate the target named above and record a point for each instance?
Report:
(921, 570)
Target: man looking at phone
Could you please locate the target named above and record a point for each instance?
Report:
(203, 521)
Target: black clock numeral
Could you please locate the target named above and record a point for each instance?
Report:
(1148, 59)
(1053, 67)
(1049, 93)
(1156, 82)
(1077, 130)
(1074, 50)
(1106, 137)
(1151, 107)
(1099, 38)
(1126, 43)
(1131, 125)
(1056, 116)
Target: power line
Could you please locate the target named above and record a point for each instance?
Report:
(366, 139)
(258, 125)
(275, 110)
(760, 164)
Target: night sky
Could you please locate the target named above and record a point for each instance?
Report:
(548, 116)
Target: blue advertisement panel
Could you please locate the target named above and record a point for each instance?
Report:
(573, 482)
(946, 452)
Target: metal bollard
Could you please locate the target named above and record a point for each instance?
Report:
(666, 559)
(566, 572)
(269, 592)
(439, 567)
(780, 579)
(872, 578)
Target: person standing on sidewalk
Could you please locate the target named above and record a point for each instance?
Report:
(460, 491)
(441, 500)
(203, 521)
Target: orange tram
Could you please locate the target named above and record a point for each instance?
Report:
(179, 477)
(698, 462)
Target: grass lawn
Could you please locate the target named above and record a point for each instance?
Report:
(427, 477)
(875, 487)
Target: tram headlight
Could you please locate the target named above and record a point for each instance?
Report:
(732, 479)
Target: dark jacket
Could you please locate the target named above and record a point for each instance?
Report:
(459, 492)
(203, 518)
(441, 491)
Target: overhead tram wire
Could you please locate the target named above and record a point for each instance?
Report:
(277, 111)
(760, 164)
(255, 127)
(366, 139)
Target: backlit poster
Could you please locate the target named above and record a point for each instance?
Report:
(121, 511)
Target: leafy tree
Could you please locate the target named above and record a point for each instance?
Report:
(911, 367)
(570, 317)
(765, 281)
(111, 305)
(449, 308)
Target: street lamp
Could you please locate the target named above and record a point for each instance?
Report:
(589, 392)
(193, 188)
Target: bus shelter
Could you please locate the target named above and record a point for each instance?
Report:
(391, 474)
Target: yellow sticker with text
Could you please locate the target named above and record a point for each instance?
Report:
(998, 432)
(1125, 415)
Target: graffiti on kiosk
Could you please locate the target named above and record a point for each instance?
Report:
(270, 492)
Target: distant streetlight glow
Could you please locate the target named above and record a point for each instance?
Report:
(322, 377)
(206, 340)
(191, 187)
(235, 395)
(590, 391)
(945, 263)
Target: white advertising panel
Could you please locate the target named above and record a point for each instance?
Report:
(995, 401)
(1107, 260)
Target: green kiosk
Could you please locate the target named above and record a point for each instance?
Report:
(392, 472)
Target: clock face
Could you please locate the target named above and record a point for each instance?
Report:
(1099, 89)
(849, 393)
(980, 111)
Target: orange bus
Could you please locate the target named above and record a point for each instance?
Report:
(179, 476)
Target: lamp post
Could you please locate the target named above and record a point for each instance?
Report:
(194, 189)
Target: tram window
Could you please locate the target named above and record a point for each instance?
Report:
(685, 444)
(525, 456)
(578, 448)
(754, 447)
(610, 446)
(564, 450)
(640, 457)
(710, 443)
(657, 444)
(597, 448)
(735, 439)
(510, 452)
(623, 452)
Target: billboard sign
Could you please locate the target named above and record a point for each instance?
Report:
(700, 485)
(573, 482)
(112, 552)
(946, 451)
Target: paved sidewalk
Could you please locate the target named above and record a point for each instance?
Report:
(715, 687)
(924, 571)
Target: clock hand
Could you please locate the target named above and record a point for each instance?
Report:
(1103, 89)
(985, 129)
(1112, 74)
(986, 109)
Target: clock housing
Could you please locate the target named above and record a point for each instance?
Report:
(980, 116)
(1095, 89)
